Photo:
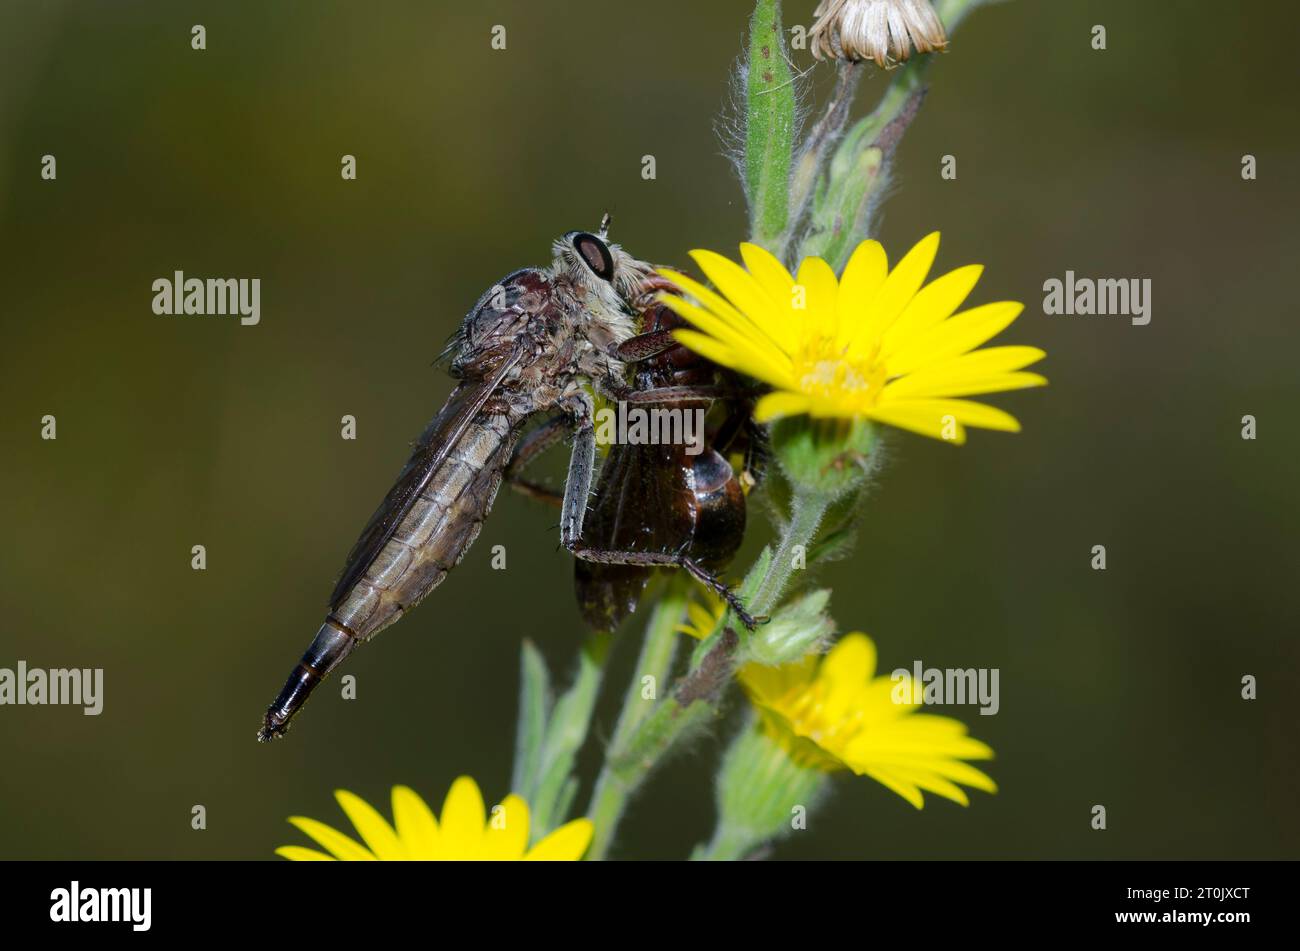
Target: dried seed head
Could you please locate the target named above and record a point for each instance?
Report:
(883, 31)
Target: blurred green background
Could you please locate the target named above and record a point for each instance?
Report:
(1118, 687)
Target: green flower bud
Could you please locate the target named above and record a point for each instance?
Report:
(824, 458)
(763, 795)
(796, 630)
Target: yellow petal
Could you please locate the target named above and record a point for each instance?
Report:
(726, 356)
(970, 413)
(743, 291)
(884, 701)
(770, 274)
(768, 685)
(955, 336)
(863, 275)
(932, 783)
(976, 365)
(460, 833)
(851, 661)
(333, 841)
(887, 779)
(565, 844)
(743, 338)
(963, 773)
(416, 825)
(932, 305)
(754, 328)
(775, 405)
(820, 293)
(896, 292)
(374, 830)
(298, 853)
(909, 739)
(767, 270)
(700, 621)
(920, 417)
(958, 386)
(506, 837)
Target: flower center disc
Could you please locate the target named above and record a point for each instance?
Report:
(826, 371)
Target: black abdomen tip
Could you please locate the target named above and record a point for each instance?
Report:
(332, 643)
(270, 730)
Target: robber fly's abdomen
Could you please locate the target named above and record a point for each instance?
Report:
(428, 542)
(433, 537)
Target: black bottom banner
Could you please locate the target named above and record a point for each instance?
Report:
(1173, 900)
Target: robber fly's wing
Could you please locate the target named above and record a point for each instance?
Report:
(643, 503)
(435, 443)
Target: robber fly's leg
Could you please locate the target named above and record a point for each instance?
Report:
(582, 464)
(529, 448)
(656, 559)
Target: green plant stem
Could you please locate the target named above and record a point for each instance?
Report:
(805, 515)
(615, 784)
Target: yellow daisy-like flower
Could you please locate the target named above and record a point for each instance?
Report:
(874, 343)
(831, 712)
(465, 832)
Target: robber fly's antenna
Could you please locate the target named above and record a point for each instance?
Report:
(605, 222)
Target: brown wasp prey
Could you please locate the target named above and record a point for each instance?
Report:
(527, 350)
(664, 497)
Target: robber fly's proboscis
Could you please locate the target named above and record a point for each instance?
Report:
(527, 350)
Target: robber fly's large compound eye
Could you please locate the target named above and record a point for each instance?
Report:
(595, 254)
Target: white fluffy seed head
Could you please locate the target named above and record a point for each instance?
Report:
(883, 31)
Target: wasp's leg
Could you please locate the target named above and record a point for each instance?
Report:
(758, 451)
(739, 433)
(649, 287)
(654, 559)
(529, 448)
(666, 395)
(644, 346)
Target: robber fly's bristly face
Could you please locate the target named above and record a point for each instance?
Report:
(602, 278)
(603, 272)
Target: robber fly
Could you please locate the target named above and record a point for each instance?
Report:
(526, 350)
(662, 497)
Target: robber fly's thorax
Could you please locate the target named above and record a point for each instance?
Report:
(561, 323)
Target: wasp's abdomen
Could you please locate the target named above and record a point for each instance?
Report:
(719, 510)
